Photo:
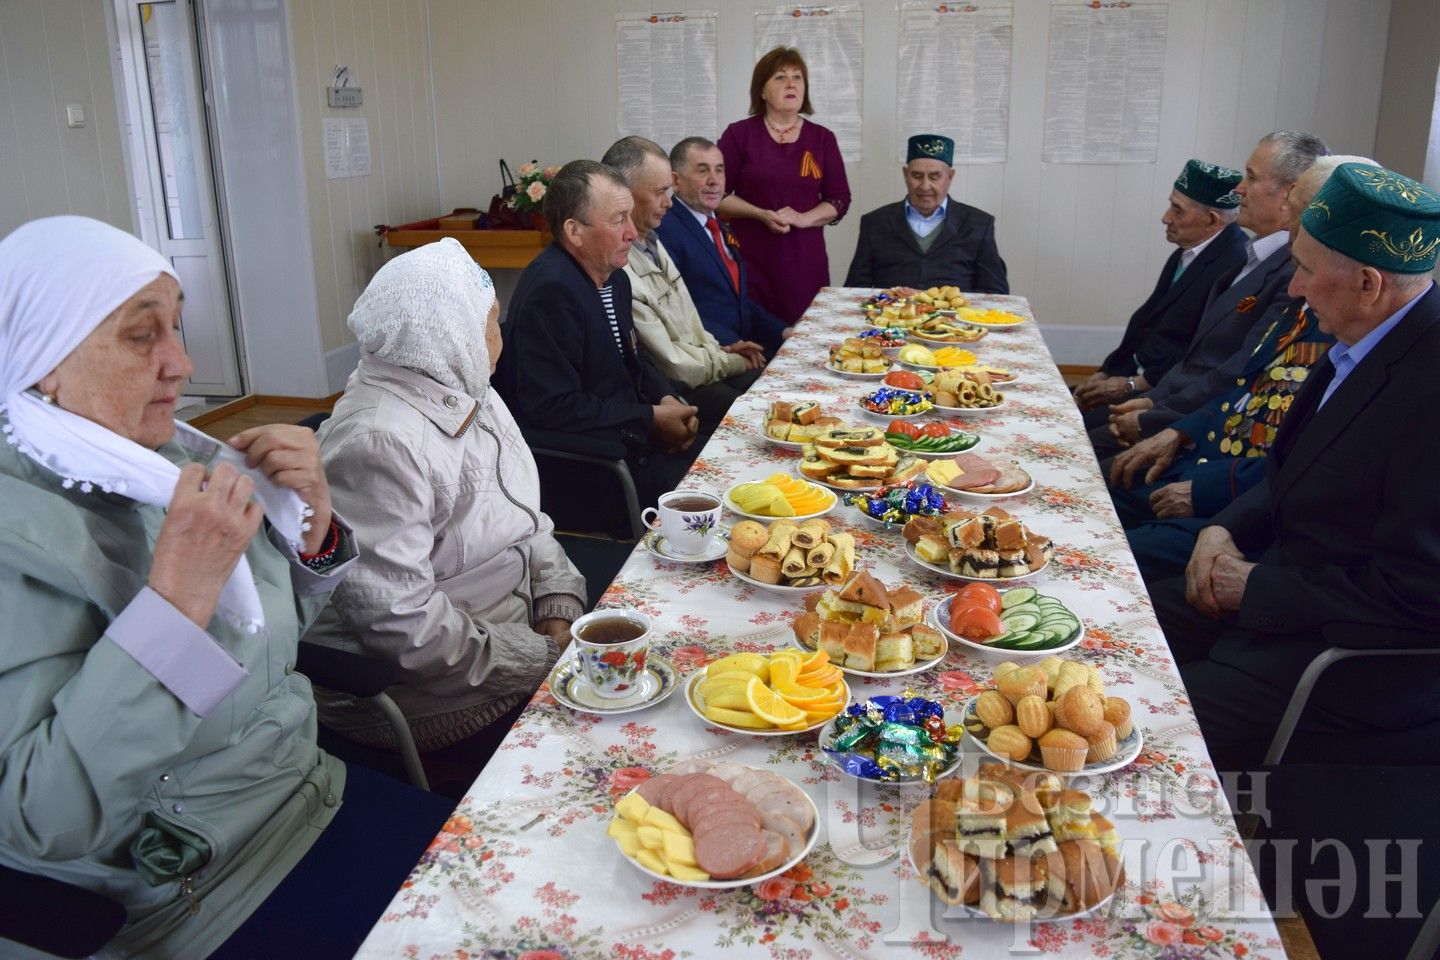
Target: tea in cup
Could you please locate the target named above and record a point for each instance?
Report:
(611, 646)
(688, 520)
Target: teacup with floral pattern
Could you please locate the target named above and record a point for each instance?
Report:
(612, 646)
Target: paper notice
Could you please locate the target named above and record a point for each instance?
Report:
(829, 38)
(954, 76)
(665, 76)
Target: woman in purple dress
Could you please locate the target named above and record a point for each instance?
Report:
(787, 181)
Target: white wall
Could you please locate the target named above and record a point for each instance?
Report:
(53, 53)
(524, 79)
(1408, 95)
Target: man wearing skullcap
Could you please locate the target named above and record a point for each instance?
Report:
(927, 239)
(1200, 221)
(1340, 545)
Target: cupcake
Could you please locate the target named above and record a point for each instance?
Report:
(1033, 717)
(1081, 710)
(993, 709)
(1102, 744)
(1008, 741)
(1070, 674)
(1117, 713)
(1024, 682)
(1063, 751)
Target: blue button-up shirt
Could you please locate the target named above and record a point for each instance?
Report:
(924, 225)
(1348, 358)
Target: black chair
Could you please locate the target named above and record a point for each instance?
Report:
(55, 917)
(598, 559)
(368, 679)
(572, 501)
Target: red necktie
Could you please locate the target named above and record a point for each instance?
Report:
(713, 226)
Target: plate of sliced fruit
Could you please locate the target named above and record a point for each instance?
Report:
(768, 695)
(779, 495)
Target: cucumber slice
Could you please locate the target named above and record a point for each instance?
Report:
(1015, 596)
(1019, 622)
(1033, 609)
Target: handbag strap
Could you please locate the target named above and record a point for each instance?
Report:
(507, 179)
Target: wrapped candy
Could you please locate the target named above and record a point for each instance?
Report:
(895, 402)
(898, 503)
(894, 738)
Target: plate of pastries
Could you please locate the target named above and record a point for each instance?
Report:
(792, 424)
(856, 458)
(1015, 845)
(859, 359)
(789, 556)
(965, 390)
(1053, 715)
(869, 630)
(992, 545)
(714, 825)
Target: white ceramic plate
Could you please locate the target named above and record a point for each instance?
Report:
(945, 571)
(963, 411)
(732, 884)
(939, 618)
(975, 913)
(933, 455)
(787, 444)
(827, 733)
(570, 688)
(773, 587)
(892, 416)
(733, 508)
(920, 665)
(692, 695)
(994, 326)
(657, 546)
(1129, 749)
(852, 375)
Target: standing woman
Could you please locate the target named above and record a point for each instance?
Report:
(788, 182)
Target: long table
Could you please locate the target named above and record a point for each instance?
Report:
(524, 868)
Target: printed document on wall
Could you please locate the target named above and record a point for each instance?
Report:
(953, 76)
(829, 38)
(347, 147)
(1102, 84)
(665, 76)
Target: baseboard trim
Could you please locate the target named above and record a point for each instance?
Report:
(339, 363)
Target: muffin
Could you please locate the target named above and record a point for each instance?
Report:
(1102, 744)
(747, 536)
(1117, 714)
(1070, 674)
(1003, 668)
(1081, 710)
(1032, 716)
(1051, 666)
(1024, 682)
(1009, 741)
(993, 709)
(1063, 750)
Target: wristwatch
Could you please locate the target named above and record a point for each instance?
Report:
(1129, 386)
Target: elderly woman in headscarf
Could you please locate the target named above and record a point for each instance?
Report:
(155, 745)
(462, 586)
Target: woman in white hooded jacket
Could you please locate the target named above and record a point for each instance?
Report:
(461, 584)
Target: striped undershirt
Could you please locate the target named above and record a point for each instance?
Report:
(608, 299)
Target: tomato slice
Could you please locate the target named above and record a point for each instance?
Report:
(905, 427)
(937, 430)
(905, 380)
(979, 594)
(974, 622)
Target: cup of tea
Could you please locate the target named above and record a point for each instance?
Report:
(612, 646)
(688, 519)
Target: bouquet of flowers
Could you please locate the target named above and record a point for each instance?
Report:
(531, 183)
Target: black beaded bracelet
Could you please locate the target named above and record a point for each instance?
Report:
(326, 556)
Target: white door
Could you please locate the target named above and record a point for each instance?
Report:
(174, 186)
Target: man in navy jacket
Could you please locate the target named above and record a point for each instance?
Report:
(708, 256)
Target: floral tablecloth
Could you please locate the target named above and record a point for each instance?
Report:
(525, 870)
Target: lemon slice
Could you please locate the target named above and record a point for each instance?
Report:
(803, 696)
(767, 705)
(783, 672)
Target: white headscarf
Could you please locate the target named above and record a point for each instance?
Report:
(60, 277)
(426, 310)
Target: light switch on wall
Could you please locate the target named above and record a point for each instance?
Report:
(74, 115)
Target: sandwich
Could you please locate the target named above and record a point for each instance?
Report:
(850, 437)
(908, 468)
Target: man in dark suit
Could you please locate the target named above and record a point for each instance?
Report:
(570, 363)
(1200, 221)
(708, 257)
(927, 239)
(1242, 303)
(1346, 527)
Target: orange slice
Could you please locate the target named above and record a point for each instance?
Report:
(768, 705)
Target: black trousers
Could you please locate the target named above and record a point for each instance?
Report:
(714, 399)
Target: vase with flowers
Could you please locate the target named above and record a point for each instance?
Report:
(531, 183)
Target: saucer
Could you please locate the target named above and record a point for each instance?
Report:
(570, 688)
(715, 548)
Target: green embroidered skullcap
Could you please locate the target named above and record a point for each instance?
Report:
(1209, 184)
(930, 146)
(1377, 217)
